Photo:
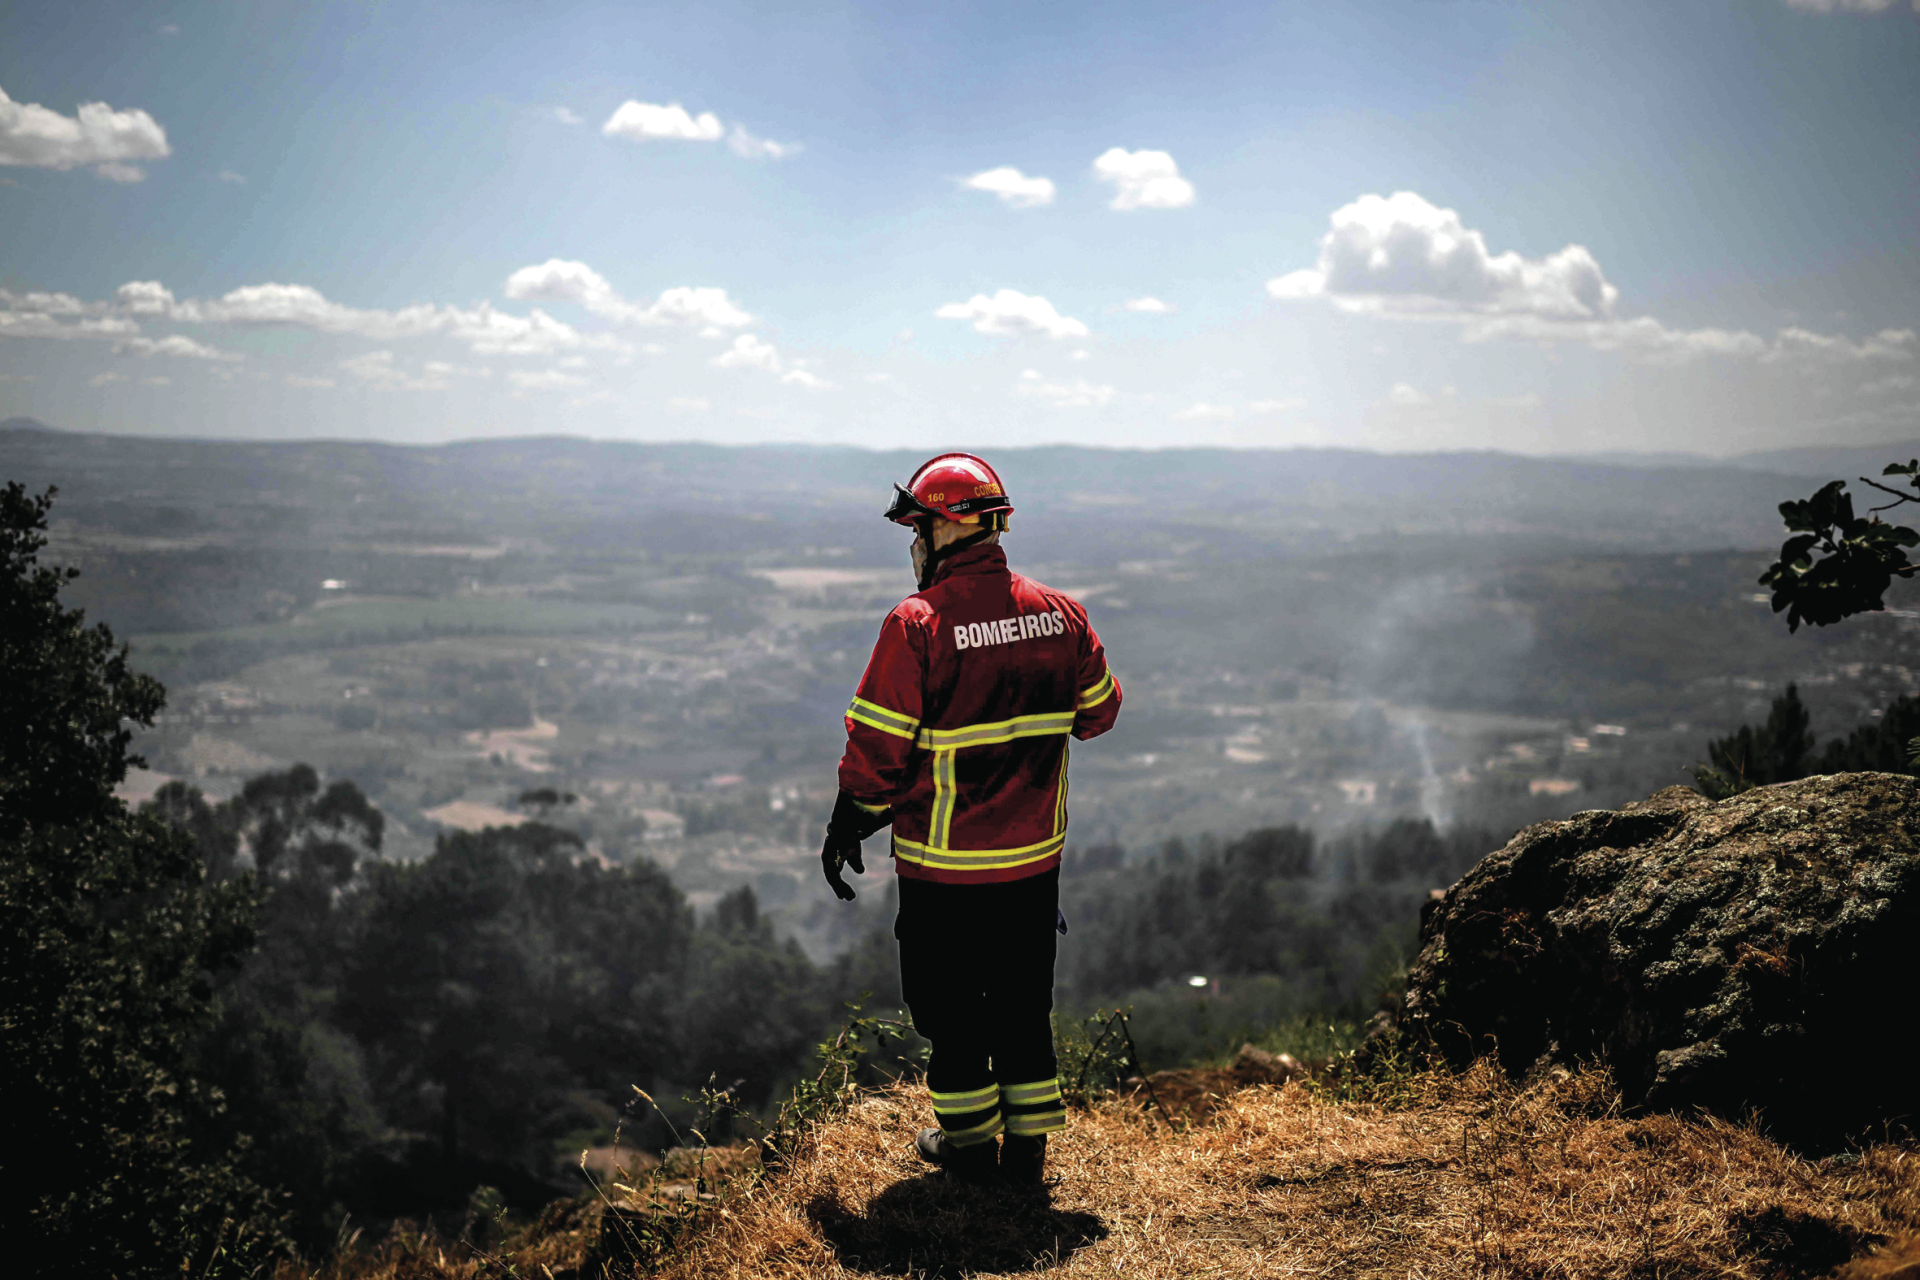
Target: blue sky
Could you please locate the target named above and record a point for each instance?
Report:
(1427, 225)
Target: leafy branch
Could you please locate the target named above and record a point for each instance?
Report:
(1837, 563)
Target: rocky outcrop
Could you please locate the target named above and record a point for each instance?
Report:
(1760, 952)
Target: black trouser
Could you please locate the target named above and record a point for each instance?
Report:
(976, 967)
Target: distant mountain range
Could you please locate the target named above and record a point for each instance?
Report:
(1109, 503)
(1832, 461)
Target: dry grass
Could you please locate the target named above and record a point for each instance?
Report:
(1475, 1178)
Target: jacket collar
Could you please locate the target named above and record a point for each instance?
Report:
(989, 558)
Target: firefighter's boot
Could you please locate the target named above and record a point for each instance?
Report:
(1023, 1160)
(976, 1164)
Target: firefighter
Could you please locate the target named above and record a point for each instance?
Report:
(957, 737)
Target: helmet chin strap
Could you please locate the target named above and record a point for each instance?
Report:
(931, 565)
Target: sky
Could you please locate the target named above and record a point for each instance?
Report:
(1412, 225)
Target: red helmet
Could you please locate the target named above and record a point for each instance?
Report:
(958, 486)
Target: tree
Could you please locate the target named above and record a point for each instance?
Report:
(1838, 564)
(1781, 750)
(294, 1083)
(1878, 745)
(1858, 557)
(109, 930)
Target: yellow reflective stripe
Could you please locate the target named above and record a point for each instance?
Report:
(1021, 1095)
(1060, 794)
(972, 1100)
(871, 808)
(945, 791)
(982, 735)
(878, 717)
(975, 859)
(1096, 693)
(980, 1132)
(1031, 1124)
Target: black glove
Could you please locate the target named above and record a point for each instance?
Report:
(851, 823)
(836, 854)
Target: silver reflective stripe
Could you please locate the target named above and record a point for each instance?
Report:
(1031, 1124)
(1019, 1095)
(940, 822)
(981, 735)
(976, 859)
(879, 717)
(1097, 692)
(979, 1133)
(972, 1100)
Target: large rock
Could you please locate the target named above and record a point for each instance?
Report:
(1756, 952)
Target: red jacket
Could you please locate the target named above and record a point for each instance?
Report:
(961, 721)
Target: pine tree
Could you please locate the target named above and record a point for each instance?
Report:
(1781, 750)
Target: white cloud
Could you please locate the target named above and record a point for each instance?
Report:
(1642, 336)
(1845, 6)
(1143, 179)
(1888, 344)
(1081, 354)
(19, 377)
(53, 304)
(1403, 257)
(1277, 406)
(1078, 394)
(564, 115)
(177, 345)
(1012, 312)
(689, 404)
(300, 380)
(102, 379)
(38, 324)
(744, 144)
(156, 382)
(1147, 306)
(748, 352)
(560, 279)
(1402, 254)
(378, 369)
(1891, 383)
(229, 176)
(1408, 400)
(642, 121)
(441, 369)
(1015, 189)
(485, 330)
(544, 380)
(373, 366)
(96, 135)
(1204, 412)
(646, 121)
(145, 297)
